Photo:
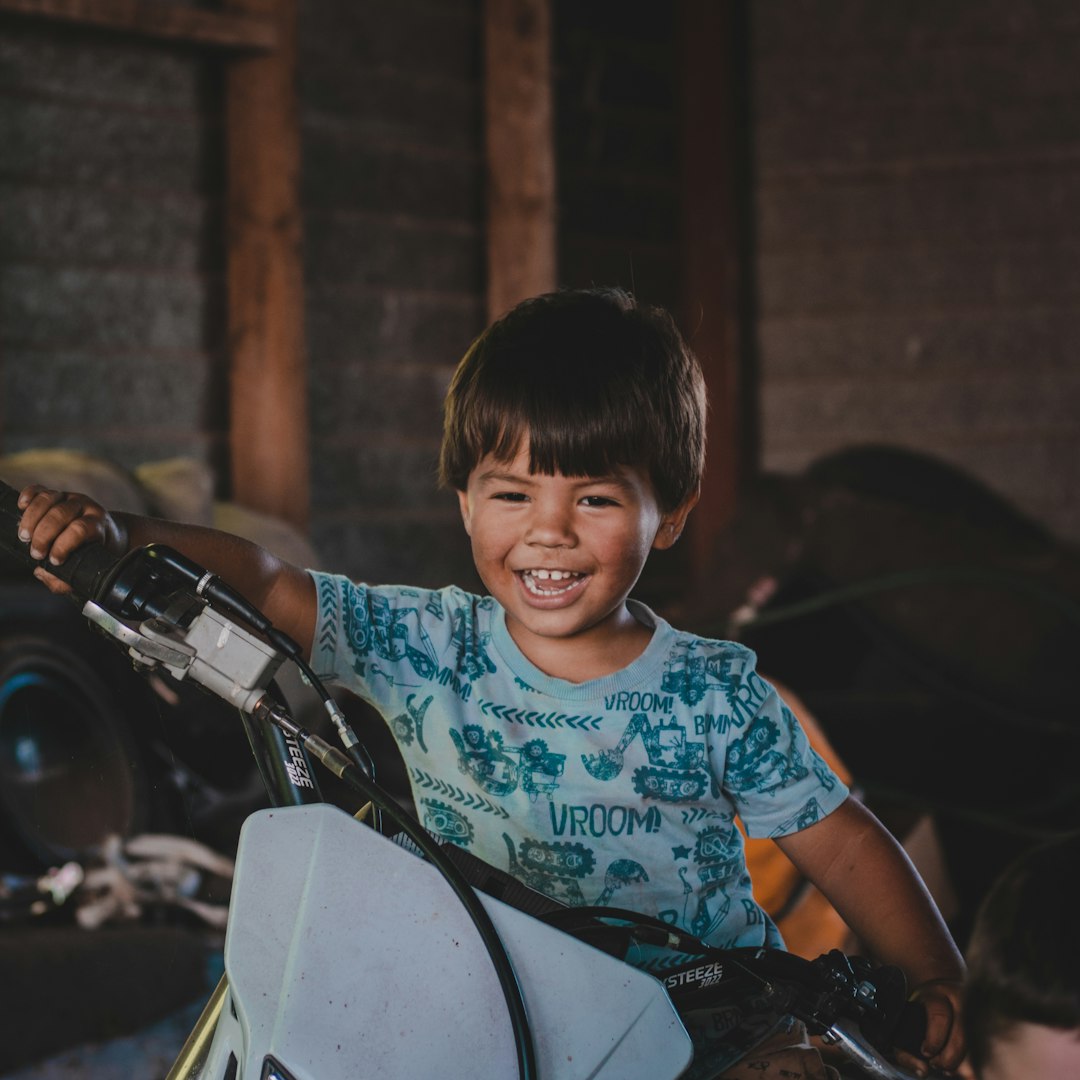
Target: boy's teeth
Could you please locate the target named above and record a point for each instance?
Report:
(557, 581)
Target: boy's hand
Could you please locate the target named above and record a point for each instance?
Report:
(55, 523)
(943, 1043)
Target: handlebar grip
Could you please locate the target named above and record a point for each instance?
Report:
(910, 1030)
(87, 569)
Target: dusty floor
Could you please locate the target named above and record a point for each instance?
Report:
(146, 1055)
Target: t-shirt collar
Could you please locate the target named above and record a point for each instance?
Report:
(646, 668)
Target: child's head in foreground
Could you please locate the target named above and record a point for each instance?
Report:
(587, 380)
(1022, 1009)
(574, 437)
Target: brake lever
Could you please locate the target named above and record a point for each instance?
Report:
(206, 647)
(847, 1035)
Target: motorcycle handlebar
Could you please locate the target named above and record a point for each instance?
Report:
(88, 570)
(138, 584)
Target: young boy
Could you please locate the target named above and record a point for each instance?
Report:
(554, 727)
(1022, 1017)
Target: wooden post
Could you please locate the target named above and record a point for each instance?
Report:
(520, 151)
(713, 256)
(268, 370)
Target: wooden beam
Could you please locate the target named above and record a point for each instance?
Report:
(154, 19)
(713, 286)
(268, 366)
(520, 151)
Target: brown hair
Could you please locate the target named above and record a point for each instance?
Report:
(590, 380)
(1025, 950)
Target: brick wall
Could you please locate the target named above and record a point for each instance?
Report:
(111, 259)
(111, 336)
(110, 246)
(394, 253)
(918, 166)
(617, 101)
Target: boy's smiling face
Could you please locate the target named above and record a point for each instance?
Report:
(561, 554)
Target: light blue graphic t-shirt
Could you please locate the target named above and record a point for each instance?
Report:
(621, 791)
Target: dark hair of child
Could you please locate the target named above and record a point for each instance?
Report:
(1024, 954)
(590, 380)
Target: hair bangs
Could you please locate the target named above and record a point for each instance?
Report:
(566, 428)
(589, 382)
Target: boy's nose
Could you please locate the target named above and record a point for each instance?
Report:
(550, 526)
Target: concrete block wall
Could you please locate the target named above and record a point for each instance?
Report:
(111, 259)
(917, 169)
(617, 149)
(392, 194)
(110, 247)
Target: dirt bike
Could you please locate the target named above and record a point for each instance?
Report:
(350, 953)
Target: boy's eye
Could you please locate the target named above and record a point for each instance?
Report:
(599, 500)
(510, 496)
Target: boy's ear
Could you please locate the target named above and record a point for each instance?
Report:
(466, 517)
(673, 523)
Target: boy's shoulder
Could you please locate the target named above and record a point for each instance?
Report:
(718, 656)
(694, 640)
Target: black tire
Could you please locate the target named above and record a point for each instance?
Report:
(72, 771)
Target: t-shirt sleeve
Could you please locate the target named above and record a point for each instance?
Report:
(373, 639)
(384, 641)
(333, 658)
(778, 783)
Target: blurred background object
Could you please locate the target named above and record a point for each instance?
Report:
(928, 627)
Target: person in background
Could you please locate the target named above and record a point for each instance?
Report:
(1022, 1014)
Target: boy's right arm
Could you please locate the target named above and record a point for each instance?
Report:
(55, 523)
